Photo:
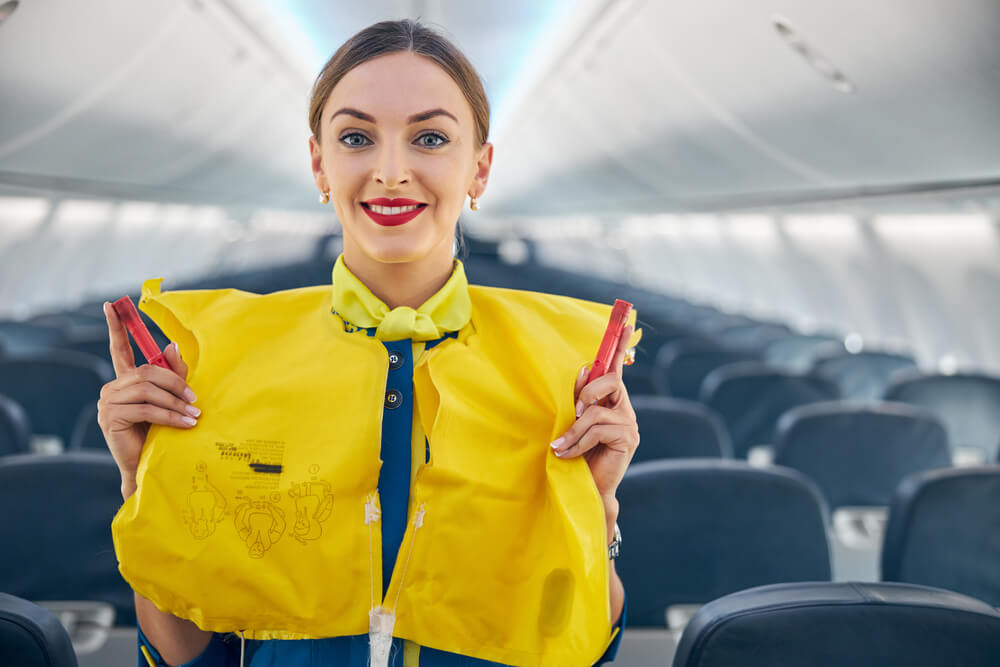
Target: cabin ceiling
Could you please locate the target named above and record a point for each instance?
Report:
(610, 106)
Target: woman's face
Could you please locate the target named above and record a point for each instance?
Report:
(399, 128)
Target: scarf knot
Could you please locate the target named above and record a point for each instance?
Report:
(447, 310)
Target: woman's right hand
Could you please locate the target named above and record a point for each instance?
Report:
(138, 397)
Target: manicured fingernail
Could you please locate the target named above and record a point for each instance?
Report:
(190, 421)
(582, 372)
(192, 410)
(557, 442)
(189, 395)
(579, 408)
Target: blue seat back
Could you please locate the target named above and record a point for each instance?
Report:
(682, 365)
(671, 428)
(969, 406)
(856, 624)
(58, 543)
(798, 351)
(26, 338)
(15, 427)
(696, 529)
(87, 434)
(54, 387)
(751, 397)
(859, 453)
(30, 636)
(944, 530)
(863, 376)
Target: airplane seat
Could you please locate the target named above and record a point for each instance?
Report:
(968, 404)
(682, 365)
(864, 375)
(24, 338)
(944, 531)
(54, 387)
(87, 434)
(858, 453)
(671, 428)
(31, 636)
(698, 529)
(15, 427)
(751, 396)
(842, 623)
(753, 338)
(797, 352)
(58, 542)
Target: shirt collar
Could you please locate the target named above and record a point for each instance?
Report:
(447, 310)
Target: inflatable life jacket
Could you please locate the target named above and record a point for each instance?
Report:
(264, 518)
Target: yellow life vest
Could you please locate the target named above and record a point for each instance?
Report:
(265, 516)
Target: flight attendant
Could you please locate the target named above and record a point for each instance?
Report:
(399, 122)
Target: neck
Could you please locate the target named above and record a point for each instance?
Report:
(402, 283)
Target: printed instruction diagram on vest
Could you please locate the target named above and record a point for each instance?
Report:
(255, 469)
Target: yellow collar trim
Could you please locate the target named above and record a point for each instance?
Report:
(447, 310)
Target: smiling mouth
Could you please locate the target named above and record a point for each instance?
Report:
(391, 216)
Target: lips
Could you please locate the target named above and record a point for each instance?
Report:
(383, 210)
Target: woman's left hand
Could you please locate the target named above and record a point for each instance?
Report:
(605, 433)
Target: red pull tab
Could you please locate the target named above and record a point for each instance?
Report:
(612, 334)
(130, 316)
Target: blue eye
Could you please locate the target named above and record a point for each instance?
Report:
(436, 140)
(354, 140)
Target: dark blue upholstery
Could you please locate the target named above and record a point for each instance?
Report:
(969, 406)
(15, 427)
(798, 351)
(752, 337)
(671, 428)
(54, 387)
(696, 529)
(24, 338)
(862, 376)
(87, 433)
(944, 530)
(57, 545)
(682, 365)
(842, 625)
(751, 397)
(859, 453)
(30, 636)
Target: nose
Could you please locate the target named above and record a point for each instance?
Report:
(391, 168)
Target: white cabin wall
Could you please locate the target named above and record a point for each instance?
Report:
(926, 284)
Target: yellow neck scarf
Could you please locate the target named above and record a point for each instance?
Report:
(447, 310)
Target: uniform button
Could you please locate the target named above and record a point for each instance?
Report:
(396, 361)
(393, 399)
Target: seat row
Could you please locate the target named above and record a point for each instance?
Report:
(695, 531)
(701, 529)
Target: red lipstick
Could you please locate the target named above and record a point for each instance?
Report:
(389, 219)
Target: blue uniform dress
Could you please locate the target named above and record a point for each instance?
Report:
(394, 491)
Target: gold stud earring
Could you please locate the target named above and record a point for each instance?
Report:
(474, 203)
(324, 197)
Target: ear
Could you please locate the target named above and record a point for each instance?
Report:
(316, 158)
(483, 164)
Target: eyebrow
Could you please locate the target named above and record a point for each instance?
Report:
(415, 118)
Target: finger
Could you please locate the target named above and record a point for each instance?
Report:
(121, 417)
(603, 389)
(147, 392)
(173, 355)
(613, 436)
(122, 356)
(158, 376)
(592, 416)
(619, 360)
(581, 381)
